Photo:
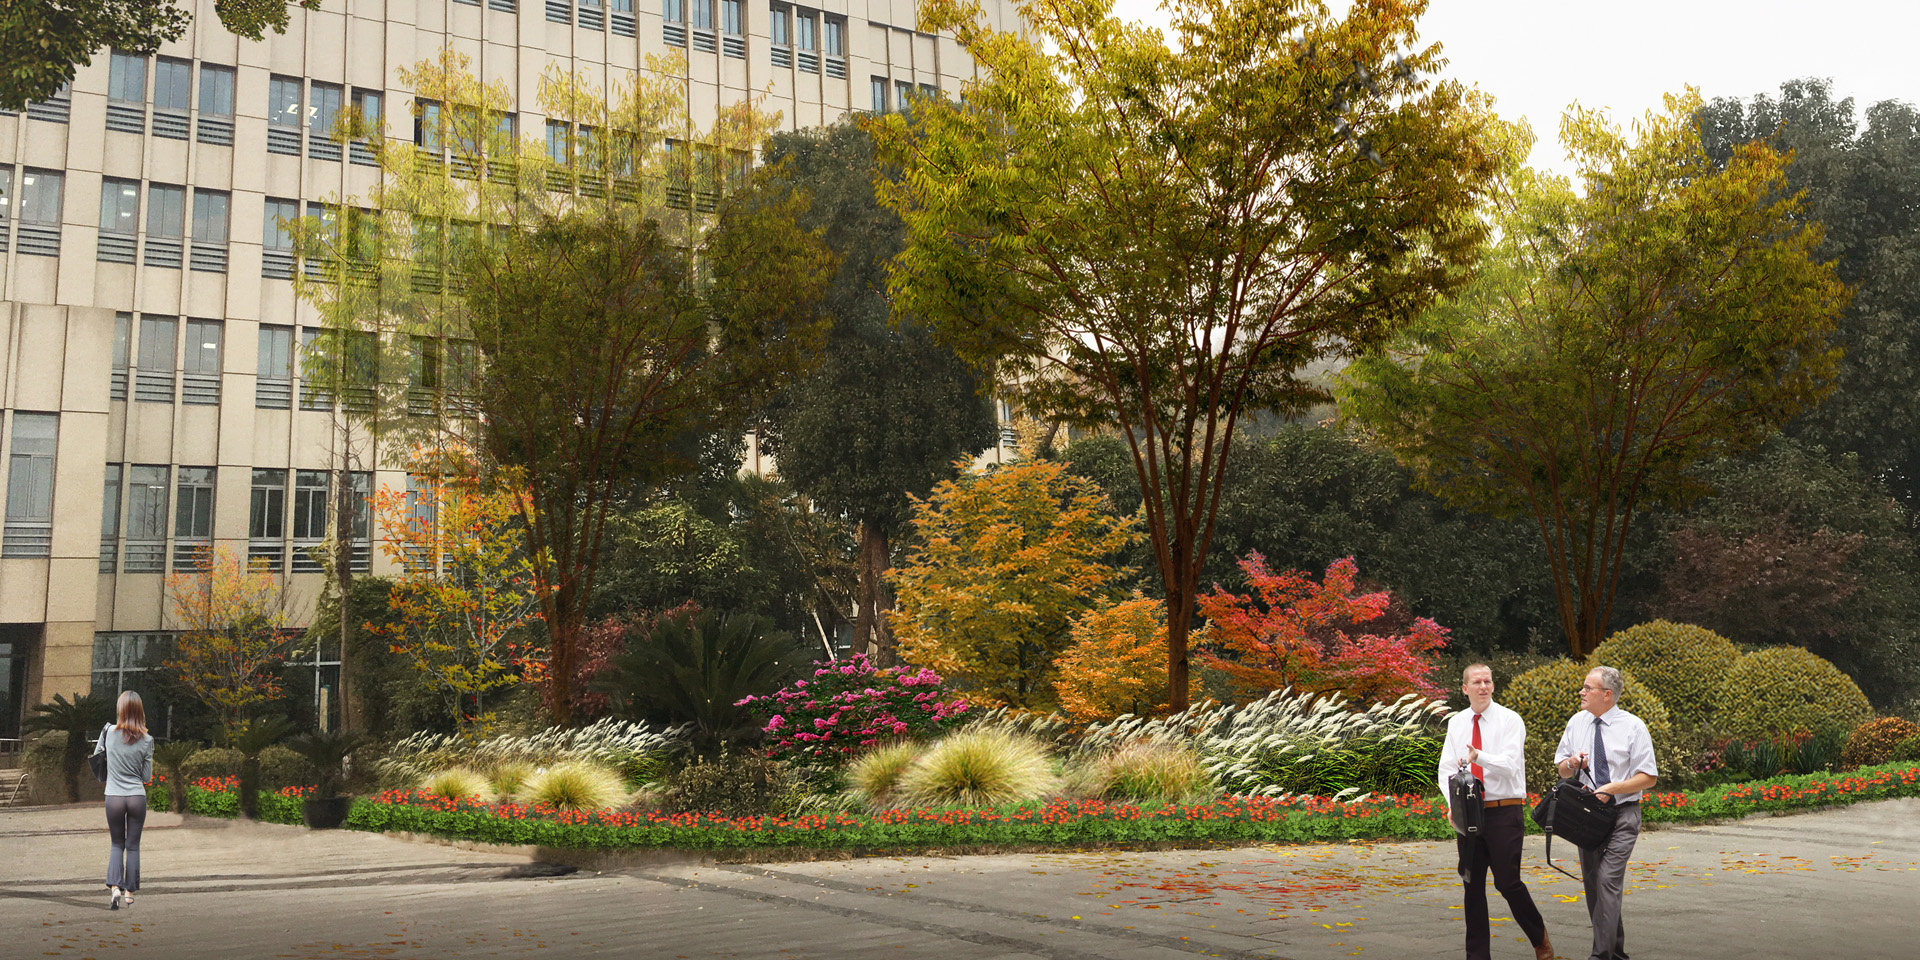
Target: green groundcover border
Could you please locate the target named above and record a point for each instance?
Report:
(1056, 823)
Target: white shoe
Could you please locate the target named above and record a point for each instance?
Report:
(126, 899)
(113, 898)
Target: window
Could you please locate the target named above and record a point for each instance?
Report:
(267, 520)
(733, 18)
(276, 257)
(200, 364)
(559, 142)
(673, 11)
(146, 519)
(778, 24)
(323, 113)
(6, 203)
(836, 36)
(122, 358)
(426, 125)
(119, 219)
(216, 105)
(311, 490)
(273, 388)
(702, 11)
(216, 91)
(367, 108)
(39, 212)
(283, 102)
(154, 383)
(166, 216)
(904, 94)
(173, 85)
(283, 116)
(929, 91)
(210, 231)
(193, 518)
(110, 520)
(804, 31)
(127, 77)
(879, 94)
(360, 521)
(125, 661)
(315, 393)
(165, 205)
(29, 526)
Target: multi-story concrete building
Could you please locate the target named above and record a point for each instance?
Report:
(151, 398)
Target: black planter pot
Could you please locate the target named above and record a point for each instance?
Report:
(325, 813)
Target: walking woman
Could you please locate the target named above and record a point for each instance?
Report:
(129, 752)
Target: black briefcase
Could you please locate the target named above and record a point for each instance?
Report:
(1466, 802)
(1575, 812)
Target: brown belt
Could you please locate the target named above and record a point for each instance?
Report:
(1510, 801)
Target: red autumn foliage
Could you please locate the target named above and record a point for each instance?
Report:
(599, 644)
(1321, 637)
(1774, 584)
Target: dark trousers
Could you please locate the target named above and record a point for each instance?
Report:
(125, 818)
(1605, 873)
(1497, 848)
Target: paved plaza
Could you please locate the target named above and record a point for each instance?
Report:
(1842, 883)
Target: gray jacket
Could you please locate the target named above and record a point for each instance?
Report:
(129, 765)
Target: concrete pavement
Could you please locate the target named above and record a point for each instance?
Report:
(1831, 884)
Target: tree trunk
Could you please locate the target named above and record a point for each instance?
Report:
(343, 582)
(876, 597)
(562, 635)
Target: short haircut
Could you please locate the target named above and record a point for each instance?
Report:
(1471, 667)
(1613, 680)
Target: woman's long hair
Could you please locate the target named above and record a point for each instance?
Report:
(132, 719)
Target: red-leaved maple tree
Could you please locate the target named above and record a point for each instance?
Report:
(1319, 637)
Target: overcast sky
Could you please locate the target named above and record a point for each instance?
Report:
(1537, 56)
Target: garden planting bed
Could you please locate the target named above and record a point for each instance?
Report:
(600, 839)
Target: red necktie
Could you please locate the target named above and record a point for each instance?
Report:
(1482, 774)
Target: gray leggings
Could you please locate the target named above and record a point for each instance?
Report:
(125, 817)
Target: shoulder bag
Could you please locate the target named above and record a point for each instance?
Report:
(1575, 812)
(97, 760)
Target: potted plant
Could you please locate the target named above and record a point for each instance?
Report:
(328, 752)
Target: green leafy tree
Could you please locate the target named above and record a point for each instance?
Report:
(1671, 314)
(1862, 182)
(1159, 236)
(889, 409)
(46, 40)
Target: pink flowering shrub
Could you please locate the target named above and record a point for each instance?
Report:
(849, 706)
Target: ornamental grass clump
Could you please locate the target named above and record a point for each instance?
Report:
(614, 743)
(1149, 772)
(508, 776)
(978, 767)
(456, 783)
(874, 777)
(576, 785)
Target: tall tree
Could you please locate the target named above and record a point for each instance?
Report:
(1159, 237)
(889, 409)
(1671, 314)
(234, 638)
(602, 350)
(1863, 185)
(47, 39)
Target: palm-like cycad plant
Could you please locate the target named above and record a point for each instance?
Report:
(697, 670)
(78, 718)
(250, 737)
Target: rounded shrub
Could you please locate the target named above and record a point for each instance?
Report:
(1906, 751)
(1150, 772)
(874, 776)
(1684, 665)
(1781, 690)
(211, 762)
(1546, 696)
(734, 784)
(280, 767)
(576, 785)
(1873, 742)
(978, 767)
(456, 783)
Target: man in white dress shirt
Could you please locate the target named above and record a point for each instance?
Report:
(1491, 739)
(1615, 750)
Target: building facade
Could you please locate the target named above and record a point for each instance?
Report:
(151, 397)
